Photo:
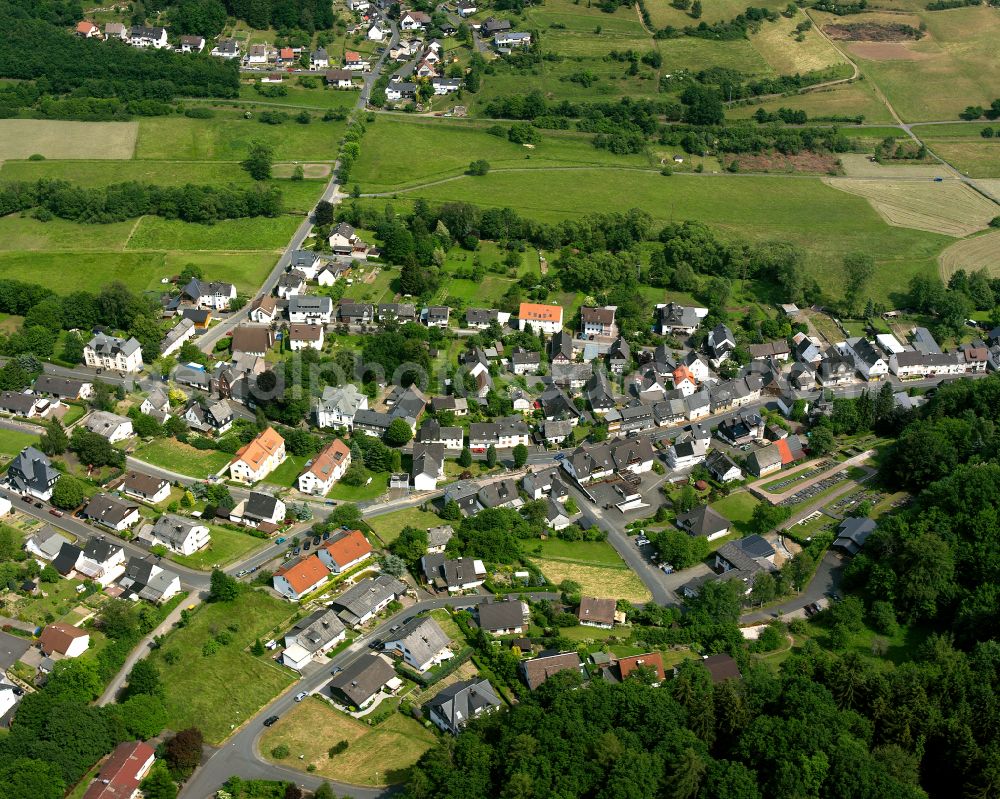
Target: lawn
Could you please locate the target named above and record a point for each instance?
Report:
(827, 223)
(448, 625)
(59, 600)
(594, 553)
(219, 691)
(379, 755)
(979, 159)
(738, 508)
(227, 546)
(618, 582)
(288, 473)
(345, 493)
(20, 138)
(389, 525)
(227, 137)
(168, 453)
(448, 146)
(298, 96)
(255, 233)
(13, 441)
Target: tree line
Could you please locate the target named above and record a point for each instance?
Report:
(120, 201)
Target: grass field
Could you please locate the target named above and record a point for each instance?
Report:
(13, 441)
(972, 254)
(388, 526)
(20, 138)
(227, 136)
(232, 685)
(952, 67)
(227, 546)
(167, 453)
(845, 99)
(825, 222)
(980, 159)
(379, 755)
(950, 207)
(738, 508)
(258, 233)
(287, 474)
(859, 165)
(319, 98)
(345, 493)
(595, 553)
(663, 14)
(776, 42)
(447, 148)
(618, 582)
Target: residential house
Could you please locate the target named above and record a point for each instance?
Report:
(806, 349)
(408, 404)
(360, 683)
(915, 364)
(414, 21)
(397, 312)
(546, 319)
(256, 55)
(492, 25)
(465, 8)
(199, 317)
(686, 452)
(122, 772)
(773, 457)
(421, 643)
(588, 463)
(453, 575)
(557, 432)
(62, 388)
(428, 466)
(355, 313)
(500, 494)
(325, 469)
(596, 612)
(598, 321)
(108, 511)
(673, 319)
(259, 458)
(721, 668)
(141, 36)
(465, 495)
(377, 33)
(207, 416)
(633, 418)
(178, 534)
(722, 467)
(344, 241)
(742, 428)
(443, 86)
(507, 616)
(556, 516)
(176, 336)
(192, 44)
(146, 487)
(561, 348)
(27, 405)
(924, 342)
(339, 405)
(291, 283)
(111, 426)
(438, 538)
(853, 533)
(619, 356)
(835, 369)
(354, 61)
(435, 316)
(359, 603)
(205, 294)
(633, 456)
(459, 406)
(318, 59)
(259, 510)
(400, 90)
(45, 544)
(372, 423)
(310, 310)
(457, 704)
(704, 522)
(652, 661)
(101, 560)
(264, 310)
(144, 578)
(66, 559)
(312, 636)
(302, 337)
(869, 358)
(344, 550)
(115, 30)
(802, 376)
(297, 578)
(226, 48)
(482, 318)
(543, 483)
(572, 376)
(744, 559)
(108, 352)
(510, 39)
(735, 393)
(598, 392)
(721, 342)
(252, 340)
(431, 432)
(539, 669)
(503, 433)
(778, 350)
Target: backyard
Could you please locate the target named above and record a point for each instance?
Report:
(227, 546)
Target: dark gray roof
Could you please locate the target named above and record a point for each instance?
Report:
(66, 560)
(359, 600)
(317, 629)
(108, 509)
(100, 550)
(464, 700)
(32, 469)
(60, 386)
(260, 505)
(501, 614)
(422, 637)
(702, 521)
(363, 678)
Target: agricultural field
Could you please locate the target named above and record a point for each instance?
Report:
(980, 159)
(972, 254)
(936, 77)
(379, 755)
(232, 684)
(21, 138)
(949, 207)
(447, 148)
(663, 14)
(843, 99)
(857, 165)
(827, 223)
(776, 42)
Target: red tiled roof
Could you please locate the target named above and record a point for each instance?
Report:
(651, 660)
(59, 637)
(120, 775)
(304, 574)
(348, 547)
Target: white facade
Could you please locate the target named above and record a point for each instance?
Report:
(108, 352)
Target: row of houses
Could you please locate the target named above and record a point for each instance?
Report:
(340, 553)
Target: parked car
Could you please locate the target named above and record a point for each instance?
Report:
(326, 535)
(270, 720)
(280, 540)
(301, 695)
(375, 643)
(306, 545)
(55, 512)
(296, 551)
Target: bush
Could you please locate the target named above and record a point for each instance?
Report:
(36, 157)
(338, 748)
(280, 752)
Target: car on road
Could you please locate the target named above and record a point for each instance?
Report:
(270, 720)
(316, 541)
(281, 540)
(55, 512)
(301, 695)
(667, 568)
(375, 643)
(335, 671)
(242, 573)
(38, 505)
(395, 627)
(559, 456)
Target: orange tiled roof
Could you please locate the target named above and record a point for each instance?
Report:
(540, 313)
(257, 451)
(348, 547)
(304, 574)
(329, 458)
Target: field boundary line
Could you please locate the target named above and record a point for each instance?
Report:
(131, 233)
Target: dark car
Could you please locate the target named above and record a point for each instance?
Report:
(295, 551)
(306, 545)
(270, 720)
(336, 670)
(326, 535)
(375, 643)
(316, 541)
(38, 505)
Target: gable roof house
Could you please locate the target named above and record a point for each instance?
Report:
(184, 536)
(596, 612)
(191, 44)
(64, 640)
(329, 466)
(109, 425)
(421, 643)
(46, 543)
(721, 342)
(142, 36)
(209, 294)
(853, 533)
(599, 321)
(259, 458)
(539, 669)
(309, 309)
(457, 704)
(771, 458)
(297, 578)
(722, 467)
(263, 310)
(588, 463)
(259, 510)
(650, 660)
(101, 560)
(146, 487)
(362, 681)
(344, 550)
(546, 319)
(507, 616)
(355, 313)
(108, 511)
(869, 358)
(301, 337)
(115, 30)
(363, 600)
(619, 355)
(252, 340)
(122, 772)
(438, 538)
(573, 376)
(108, 352)
(32, 473)
(502, 433)
(705, 522)
(674, 319)
(314, 635)
(62, 388)
(451, 574)
(146, 579)
(339, 405)
(291, 283)
(598, 392)
(500, 494)
(226, 48)
(427, 466)
(431, 432)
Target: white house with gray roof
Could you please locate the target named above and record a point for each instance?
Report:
(109, 352)
(180, 535)
(338, 406)
(421, 643)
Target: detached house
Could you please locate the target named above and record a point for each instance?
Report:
(453, 575)
(226, 48)
(507, 616)
(673, 319)
(146, 487)
(111, 426)
(260, 510)
(122, 772)
(63, 640)
(414, 21)
(87, 30)
(428, 466)
(180, 535)
(62, 388)
(344, 551)
(459, 703)
(360, 683)
(297, 578)
(115, 30)
(339, 78)
(869, 358)
(704, 522)
(108, 352)
(361, 602)
(326, 468)
(310, 310)
(339, 405)
(108, 511)
(214, 295)
(210, 417)
(191, 44)
(259, 458)
(421, 643)
(546, 319)
(596, 612)
(141, 36)
(302, 337)
(318, 59)
(252, 340)
(598, 321)
(312, 636)
(510, 39)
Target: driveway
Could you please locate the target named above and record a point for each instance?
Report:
(12, 648)
(825, 581)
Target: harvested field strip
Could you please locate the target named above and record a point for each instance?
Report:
(859, 165)
(20, 138)
(948, 207)
(596, 580)
(979, 252)
(873, 32)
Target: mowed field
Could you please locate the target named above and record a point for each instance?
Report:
(972, 254)
(776, 42)
(841, 100)
(826, 222)
(936, 77)
(949, 207)
(20, 138)
(663, 14)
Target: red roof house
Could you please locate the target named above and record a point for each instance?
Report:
(122, 772)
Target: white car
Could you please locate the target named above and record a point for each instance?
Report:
(301, 695)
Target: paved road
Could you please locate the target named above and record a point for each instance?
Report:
(825, 581)
(239, 755)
